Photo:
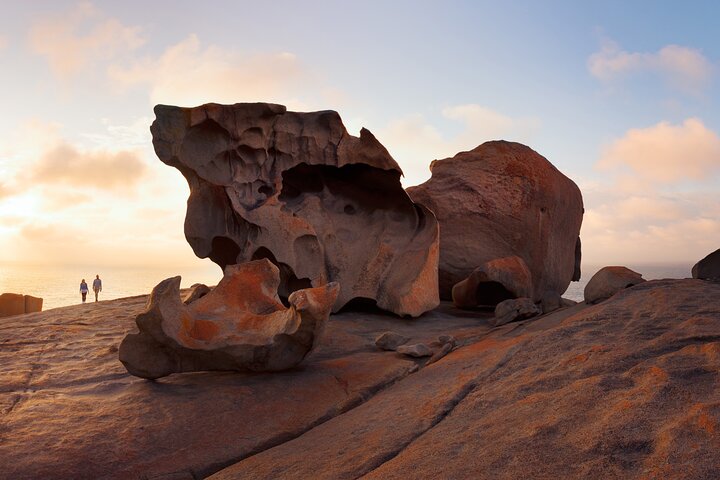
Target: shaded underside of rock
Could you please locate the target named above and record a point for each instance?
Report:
(493, 282)
(240, 325)
(708, 268)
(608, 281)
(297, 189)
(504, 199)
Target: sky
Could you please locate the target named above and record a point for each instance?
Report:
(622, 97)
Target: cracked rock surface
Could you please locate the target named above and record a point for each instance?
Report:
(622, 389)
(296, 188)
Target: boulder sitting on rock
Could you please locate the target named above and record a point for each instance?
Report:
(297, 189)
(493, 282)
(608, 281)
(390, 341)
(514, 309)
(417, 350)
(708, 268)
(504, 199)
(240, 325)
(17, 304)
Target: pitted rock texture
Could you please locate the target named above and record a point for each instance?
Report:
(503, 199)
(608, 281)
(297, 189)
(239, 325)
(493, 282)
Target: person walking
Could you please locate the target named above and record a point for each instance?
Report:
(83, 289)
(97, 286)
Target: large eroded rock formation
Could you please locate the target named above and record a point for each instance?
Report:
(296, 188)
(239, 325)
(504, 199)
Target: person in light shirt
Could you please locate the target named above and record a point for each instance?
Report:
(97, 286)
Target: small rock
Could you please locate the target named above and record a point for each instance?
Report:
(708, 268)
(514, 309)
(416, 350)
(390, 341)
(493, 282)
(446, 348)
(608, 281)
(444, 339)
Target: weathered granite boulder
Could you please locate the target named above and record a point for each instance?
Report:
(514, 309)
(33, 304)
(17, 304)
(239, 325)
(297, 189)
(708, 268)
(11, 304)
(504, 199)
(493, 282)
(608, 281)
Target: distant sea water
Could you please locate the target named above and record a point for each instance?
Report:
(60, 286)
(648, 271)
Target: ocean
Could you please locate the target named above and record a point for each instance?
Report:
(60, 286)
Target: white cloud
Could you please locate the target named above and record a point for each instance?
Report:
(80, 38)
(660, 201)
(414, 142)
(3, 42)
(189, 73)
(683, 67)
(666, 153)
(103, 169)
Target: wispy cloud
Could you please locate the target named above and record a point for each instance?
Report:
(81, 38)
(666, 153)
(660, 201)
(101, 169)
(190, 73)
(682, 67)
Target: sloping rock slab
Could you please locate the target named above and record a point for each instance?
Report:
(69, 409)
(296, 188)
(624, 389)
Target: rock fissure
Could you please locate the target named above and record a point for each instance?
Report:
(362, 397)
(447, 409)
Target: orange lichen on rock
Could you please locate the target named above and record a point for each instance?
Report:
(237, 326)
